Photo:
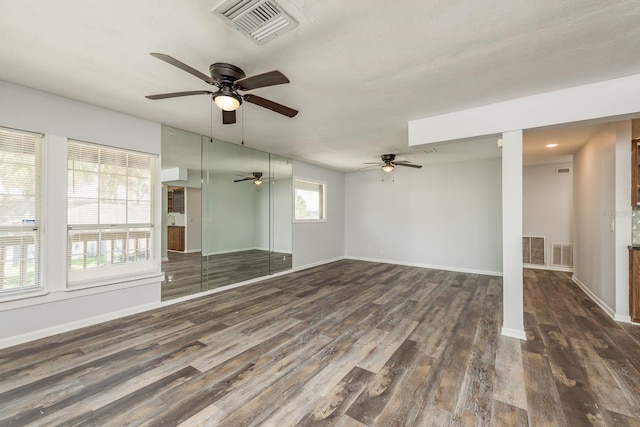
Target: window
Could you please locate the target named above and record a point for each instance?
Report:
(309, 200)
(20, 210)
(109, 212)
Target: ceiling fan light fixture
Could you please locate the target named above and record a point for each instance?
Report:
(226, 102)
(388, 167)
(257, 181)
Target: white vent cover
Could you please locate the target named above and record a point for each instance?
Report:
(563, 171)
(562, 255)
(262, 20)
(533, 250)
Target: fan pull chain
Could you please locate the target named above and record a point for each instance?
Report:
(242, 127)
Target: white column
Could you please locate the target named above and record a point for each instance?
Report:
(512, 324)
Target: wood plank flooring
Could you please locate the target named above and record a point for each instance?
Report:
(345, 344)
(191, 273)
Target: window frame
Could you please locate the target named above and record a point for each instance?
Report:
(323, 195)
(106, 275)
(38, 228)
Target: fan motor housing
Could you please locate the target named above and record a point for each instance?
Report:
(224, 72)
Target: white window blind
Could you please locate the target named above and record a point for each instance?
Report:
(20, 210)
(109, 212)
(309, 200)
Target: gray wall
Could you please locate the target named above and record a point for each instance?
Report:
(594, 205)
(317, 242)
(444, 216)
(547, 200)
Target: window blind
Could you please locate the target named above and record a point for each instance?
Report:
(20, 210)
(109, 212)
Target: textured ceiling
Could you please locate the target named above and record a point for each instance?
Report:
(359, 69)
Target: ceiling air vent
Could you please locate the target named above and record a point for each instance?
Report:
(262, 20)
(563, 171)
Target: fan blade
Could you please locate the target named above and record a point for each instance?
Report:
(228, 117)
(401, 161)
(273, 106)
(271, 78)
(243, 179)
(177, 94)
(184, 67)
(409, 165)
(373, 163)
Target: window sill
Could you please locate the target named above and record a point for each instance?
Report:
(45, 297)
(308, 221)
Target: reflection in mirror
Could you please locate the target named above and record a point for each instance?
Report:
(181, 213)
(226, 213)
(236, 208)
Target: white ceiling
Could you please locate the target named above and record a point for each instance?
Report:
(359, 69)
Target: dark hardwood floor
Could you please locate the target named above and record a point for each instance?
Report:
(191, 273)
(345, 344)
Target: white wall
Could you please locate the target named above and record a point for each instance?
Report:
(318, 242)
(444, 216)
(594, 207)
(61, 118)
(547, 200)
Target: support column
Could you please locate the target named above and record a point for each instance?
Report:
(512, 292)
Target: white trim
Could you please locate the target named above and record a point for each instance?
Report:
(70, 293)
(316, 264)
(514, 333)
(434, 267)
(624, 318)
(164, 259)
(71, 326)
(548, 267)
(603, 305)
(323, 186)
(190, 251)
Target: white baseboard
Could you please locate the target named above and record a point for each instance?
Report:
(548, 267)
(77, 324)
(433, 267)
(624, 318)
(603, 305)
(316, 264)
(190, 251)
(514, 333)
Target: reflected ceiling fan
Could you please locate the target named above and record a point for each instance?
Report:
(230, 79)
(389, 162)
(256, 178)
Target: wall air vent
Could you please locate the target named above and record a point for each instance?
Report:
(562, 255)
(563, 171)
(261, 20)
(533, 250)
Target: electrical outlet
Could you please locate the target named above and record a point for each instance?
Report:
(169, 278)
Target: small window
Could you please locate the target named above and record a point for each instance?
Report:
(309, 200)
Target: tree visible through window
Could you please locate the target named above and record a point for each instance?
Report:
(309, 200)
(109, 209)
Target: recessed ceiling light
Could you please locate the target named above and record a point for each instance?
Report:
(551, 145)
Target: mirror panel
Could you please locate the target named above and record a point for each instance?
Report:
(281, 205)
(221, 227)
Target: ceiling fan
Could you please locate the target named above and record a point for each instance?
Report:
(230, 79)
(389, 162)
(256, 178)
